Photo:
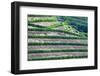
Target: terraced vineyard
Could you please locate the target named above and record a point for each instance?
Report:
(54, 37)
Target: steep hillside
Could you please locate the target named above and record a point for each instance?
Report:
(53, 37)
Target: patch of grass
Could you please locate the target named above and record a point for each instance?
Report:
(57, 37)
(52, 30)
(45, 19)
(73, 44)
(55, 58)
(67, 50)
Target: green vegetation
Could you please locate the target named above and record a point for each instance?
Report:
(47, 51)
(45, 19)
(67, 44)
(53, 58)
(58, 37)
(79, 23)
(67, 28)
(57, 27)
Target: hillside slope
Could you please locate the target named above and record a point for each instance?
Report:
(52, 37)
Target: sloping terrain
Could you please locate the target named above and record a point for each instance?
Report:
(50, 37)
